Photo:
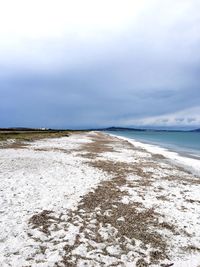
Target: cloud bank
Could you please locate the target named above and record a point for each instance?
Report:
(100, 63)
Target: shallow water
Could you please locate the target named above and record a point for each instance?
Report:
(187, 143)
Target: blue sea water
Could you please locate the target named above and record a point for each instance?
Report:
(187, 143)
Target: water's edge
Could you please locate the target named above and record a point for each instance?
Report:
(184, 160)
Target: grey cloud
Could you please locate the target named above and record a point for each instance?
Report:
(147, 72)
(179, 119)
(191, 120)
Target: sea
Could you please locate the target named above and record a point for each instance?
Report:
(184, 143)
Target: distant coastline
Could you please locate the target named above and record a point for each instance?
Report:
(145, 130)
(113, 128)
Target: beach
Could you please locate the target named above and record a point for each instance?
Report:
(93, 199)
(187, 159)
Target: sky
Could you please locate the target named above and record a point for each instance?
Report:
(90, 64)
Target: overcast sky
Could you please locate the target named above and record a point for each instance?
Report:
(79, 64)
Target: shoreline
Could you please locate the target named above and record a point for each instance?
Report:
(184, 160)
(91, 199)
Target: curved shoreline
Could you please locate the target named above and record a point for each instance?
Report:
(94, 199)
(189, 163)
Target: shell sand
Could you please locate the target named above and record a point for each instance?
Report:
(90, 199)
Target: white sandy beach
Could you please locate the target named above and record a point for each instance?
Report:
(96, 200)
